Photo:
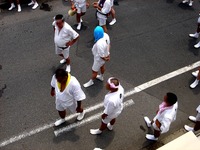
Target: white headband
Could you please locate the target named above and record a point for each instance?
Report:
(112, 85)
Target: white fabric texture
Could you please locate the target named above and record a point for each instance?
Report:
(71, 94)
(105, 10)
(166, 118)
(113, 103)
(65, 35)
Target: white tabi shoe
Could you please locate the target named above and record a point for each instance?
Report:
(88, 84)
(197, 45)
(110, 127)
(194, 84)
(113, 22)
(95, 131)
(190, 4)
(63, 61)
(188, 128)
(31, 3)
(192, 118)
(59, 122)
(185, 1)
(195, 35)
(195, 73)
(19, 8)
(12, 6)
(81, 116)
(147, 121)
(79, 26)
(68, 68)
(100, 77)
(151, 137)
(35, 5)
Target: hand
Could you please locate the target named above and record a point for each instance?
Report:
(68, 43)
(104, 116)
(95, 5)
(73, 7)
(79, 110)
(52, 93)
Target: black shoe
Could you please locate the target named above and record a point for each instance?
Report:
(116, 3)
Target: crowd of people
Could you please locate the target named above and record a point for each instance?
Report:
(68, 91)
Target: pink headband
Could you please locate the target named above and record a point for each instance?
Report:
(112, 85)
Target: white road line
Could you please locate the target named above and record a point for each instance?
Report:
(87, 120)
(99, 105)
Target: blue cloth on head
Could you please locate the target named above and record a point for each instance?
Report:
(98, 33)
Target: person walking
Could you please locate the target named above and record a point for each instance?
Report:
(34, 3)
(68, 94)
(81, 7)
(194, 119)
(64, 38)
(101, 52)
(166, 114)
(196, 34)
(103, 8)
(112, 14)
(113, 105)
(12, 5)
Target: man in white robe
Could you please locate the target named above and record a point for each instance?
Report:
(68, 94)
(164, 117)
(113, 104)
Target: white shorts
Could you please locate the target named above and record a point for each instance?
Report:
(198, 117)
(62, 107)
(81, 9)
(65, 52)
(97, 65)
(102, 21)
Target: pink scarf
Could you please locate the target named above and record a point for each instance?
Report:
(162, 107)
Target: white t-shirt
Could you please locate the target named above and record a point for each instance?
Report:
(71, 93)
(105, 10)
(65, 35)
(167, 117)
(113, 103)
(79, 3)
(101, 48)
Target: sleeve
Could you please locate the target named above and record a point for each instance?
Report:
(53, 81)
(106, 8)
(73, 34)
(109, 108)
(76, 91)
(54, 23)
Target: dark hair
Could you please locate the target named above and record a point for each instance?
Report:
(61, 73)
(115, 81)
(171, 98)
(59, 17)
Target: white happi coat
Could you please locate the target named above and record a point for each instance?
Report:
(113, 103)
(167, 117)
(71, 94)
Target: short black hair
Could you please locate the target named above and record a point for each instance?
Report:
(59, 17)
(171, 98)
(115, 81)
(61, 73)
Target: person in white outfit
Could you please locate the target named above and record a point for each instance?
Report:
(196, 81)
(64, 37)
(103, 8)
(68, 94)
(190, 2)
(81, 7)
(101, 52)
(194, 119)
(34, 3)
(196, 34)
(12, 5)
(166, 114)
(113, 105)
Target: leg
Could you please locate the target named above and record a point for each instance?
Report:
(103, 126)
(156, 133)
(197, 126)
(113, 17)
(12, 5)
(62, 114)
(68, 61)
(112, 122)
(94, 75)
(105, 28)
(102, 69)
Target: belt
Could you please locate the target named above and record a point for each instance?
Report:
(63, 47)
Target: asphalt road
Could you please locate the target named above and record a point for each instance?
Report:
(150, 39)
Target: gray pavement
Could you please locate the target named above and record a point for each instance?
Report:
(150, 39)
